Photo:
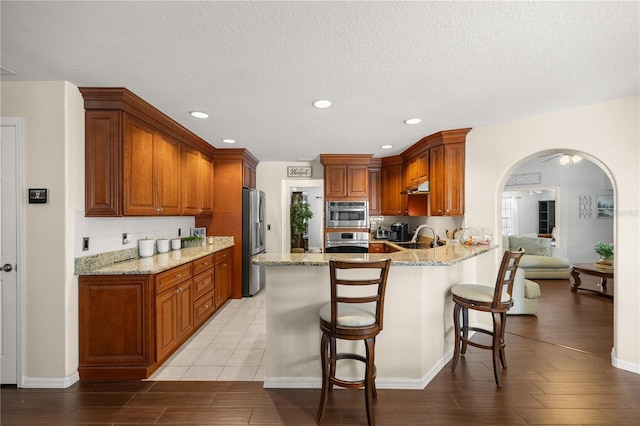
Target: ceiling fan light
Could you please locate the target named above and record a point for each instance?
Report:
(565, 159)
(575, 158)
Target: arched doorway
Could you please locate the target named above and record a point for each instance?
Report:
(579, 185)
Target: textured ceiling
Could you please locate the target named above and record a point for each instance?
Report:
(257, 66)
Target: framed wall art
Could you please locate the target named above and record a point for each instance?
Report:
(604, 206)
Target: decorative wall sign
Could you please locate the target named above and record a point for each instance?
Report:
(585, 206)
(524, 179)
(299, 171)
(604, 206)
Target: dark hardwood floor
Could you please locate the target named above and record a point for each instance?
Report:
(559, 373)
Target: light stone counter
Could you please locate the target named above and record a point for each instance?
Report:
(417, 339)
(127, 262)
(441, 256)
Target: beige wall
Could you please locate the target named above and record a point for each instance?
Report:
(53, 158)
(607, 133)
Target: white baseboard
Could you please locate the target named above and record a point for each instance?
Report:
(381, 382)
(623, 365)
(50, 382)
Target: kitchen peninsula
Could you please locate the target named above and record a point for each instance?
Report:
(135, 312)
(417, 340)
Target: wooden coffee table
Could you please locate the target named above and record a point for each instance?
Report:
(590, 269)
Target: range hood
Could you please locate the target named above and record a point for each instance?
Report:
(423, 188)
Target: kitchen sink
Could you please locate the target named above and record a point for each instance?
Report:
(414, 246)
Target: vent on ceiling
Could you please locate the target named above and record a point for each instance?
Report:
(7, 71)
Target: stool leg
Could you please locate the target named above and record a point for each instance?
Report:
(324, 343)
(333, 353)
(503, 355)
(456, 326)
(495, 347)
(465, 329)
(369, 381)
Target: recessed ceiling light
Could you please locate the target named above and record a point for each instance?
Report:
(412, 121)
(322, 103)
(229, 140)
(199, 114)
(386, 146)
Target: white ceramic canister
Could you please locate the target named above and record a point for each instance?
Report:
(145, 247)
(210, 240)
(163, 245)
(176, 244)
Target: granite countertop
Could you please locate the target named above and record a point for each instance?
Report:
(441, 256)
(117, 263)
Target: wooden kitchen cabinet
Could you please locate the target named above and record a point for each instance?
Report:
(394, 203)
(376, 247)
(174, 310)
(446, 196)
(133, 156)
(346, 176)
(417, 170)
(249, 174)
(152, 166)
(230, 168)
(203, 289)
(197, 183)
(130, 324)
(223, 276)
(375, 188)
(116, 319)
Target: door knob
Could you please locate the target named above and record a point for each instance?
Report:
(7, 267)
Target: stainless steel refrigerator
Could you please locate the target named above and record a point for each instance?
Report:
(253, 213)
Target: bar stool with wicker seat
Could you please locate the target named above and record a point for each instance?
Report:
(496, 300)
(353, 317)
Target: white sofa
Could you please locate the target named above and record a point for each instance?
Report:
(525, 295)
(540, 260)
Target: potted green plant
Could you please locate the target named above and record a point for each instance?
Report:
(606, 253)
(299, 215)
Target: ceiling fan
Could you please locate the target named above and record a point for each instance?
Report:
(564, 158)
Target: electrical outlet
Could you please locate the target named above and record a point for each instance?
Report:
(85, 243)
(126, 238)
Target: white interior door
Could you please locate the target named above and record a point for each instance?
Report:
(11, 129)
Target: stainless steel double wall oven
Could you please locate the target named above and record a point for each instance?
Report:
(341, 215)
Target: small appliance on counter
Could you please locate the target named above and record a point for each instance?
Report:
(399, 232)
(382, 234)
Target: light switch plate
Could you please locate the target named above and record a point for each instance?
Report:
(198, 232)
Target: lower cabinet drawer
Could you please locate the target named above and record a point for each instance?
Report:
(203, 308)
(167, 279)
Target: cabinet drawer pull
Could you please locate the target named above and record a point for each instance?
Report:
(178, 275)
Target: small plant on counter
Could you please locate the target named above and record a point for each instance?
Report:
(604, 250)
(192, 241)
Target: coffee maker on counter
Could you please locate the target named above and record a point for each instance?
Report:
(399, 232)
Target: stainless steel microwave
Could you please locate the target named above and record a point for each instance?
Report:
(347, 214)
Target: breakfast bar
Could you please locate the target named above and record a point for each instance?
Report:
(417, 339)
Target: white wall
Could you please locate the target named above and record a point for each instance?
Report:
(105, 233)
(271, 177)
(53, 115)
(608, 135)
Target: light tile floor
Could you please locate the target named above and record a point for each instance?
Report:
(229, 346)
